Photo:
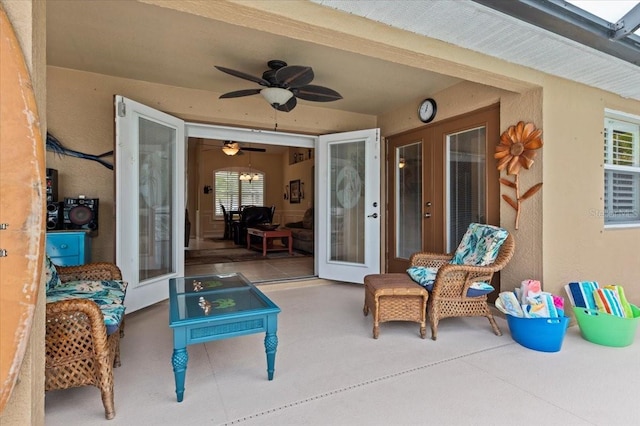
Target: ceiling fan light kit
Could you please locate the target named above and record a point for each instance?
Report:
(231, 149)
(276, 96)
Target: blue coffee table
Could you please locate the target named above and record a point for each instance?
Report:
(215, 307)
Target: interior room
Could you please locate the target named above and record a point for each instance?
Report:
(213, 243)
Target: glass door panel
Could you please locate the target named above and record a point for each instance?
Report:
(408, 200)
(346, 203)
(466, 182)
(157, 145)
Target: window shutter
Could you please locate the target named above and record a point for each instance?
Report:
(622, 172)
(227, 189)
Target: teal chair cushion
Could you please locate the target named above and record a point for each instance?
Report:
(108, 295)
(423, 275)
(51, 273)
(480, 245)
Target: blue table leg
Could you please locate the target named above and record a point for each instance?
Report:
(270, 346)
(179, 360)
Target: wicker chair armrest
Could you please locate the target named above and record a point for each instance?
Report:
(69, 318)
(455, 280)
(430, 260)
(91, 271)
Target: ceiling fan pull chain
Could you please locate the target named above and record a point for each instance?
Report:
(275, 119)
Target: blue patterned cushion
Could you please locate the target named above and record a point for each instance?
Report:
(479, 289)
(423, 276)
(109, 295)
(52, 279)
(480, 245)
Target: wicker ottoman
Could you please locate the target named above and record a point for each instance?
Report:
(395, 297)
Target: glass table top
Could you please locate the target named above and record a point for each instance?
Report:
(214, 296)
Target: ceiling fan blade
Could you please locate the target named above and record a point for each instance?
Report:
(253, 149)
(243, 75)
(291, 104)
(294, 76)
(239, 93)
(317, 93)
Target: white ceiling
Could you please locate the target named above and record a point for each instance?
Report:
(144, 42)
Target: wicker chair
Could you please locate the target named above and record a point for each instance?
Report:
(448, 297)
(78, 350)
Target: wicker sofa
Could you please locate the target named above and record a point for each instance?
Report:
(302, 232)
(84, 323)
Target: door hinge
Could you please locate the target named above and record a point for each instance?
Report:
(3, 252)
(122, 109)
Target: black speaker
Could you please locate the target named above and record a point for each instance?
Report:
(52, 185)
(81, 213)
(55, 215)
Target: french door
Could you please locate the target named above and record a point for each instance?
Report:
(150, 200)
(348, 200)
(150, 197)
(441, 178)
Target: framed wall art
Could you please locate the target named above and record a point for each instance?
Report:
(294, 187)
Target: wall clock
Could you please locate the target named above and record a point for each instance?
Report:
(427, 110)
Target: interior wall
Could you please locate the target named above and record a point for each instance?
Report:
(279, 170)
(80, 109)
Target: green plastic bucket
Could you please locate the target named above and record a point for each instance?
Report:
(605, 329)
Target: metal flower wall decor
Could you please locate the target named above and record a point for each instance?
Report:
(517, 149)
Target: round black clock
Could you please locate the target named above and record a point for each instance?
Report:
(427, 110)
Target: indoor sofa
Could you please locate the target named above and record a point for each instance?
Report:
(302, 232)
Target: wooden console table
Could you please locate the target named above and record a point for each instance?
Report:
(267, 239)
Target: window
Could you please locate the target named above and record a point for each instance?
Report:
(621, 168)
(233, 192)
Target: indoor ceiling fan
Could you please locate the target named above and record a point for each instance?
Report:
(282, 85)
(234, 148)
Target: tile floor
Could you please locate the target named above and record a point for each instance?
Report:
(257, 271)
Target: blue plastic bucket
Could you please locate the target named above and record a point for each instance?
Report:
(539, 334)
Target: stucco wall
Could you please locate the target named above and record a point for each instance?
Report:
(575, 244)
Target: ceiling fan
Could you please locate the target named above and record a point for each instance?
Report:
(282, 85)
(233, 148)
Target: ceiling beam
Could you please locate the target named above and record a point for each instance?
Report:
(628, 23)
(569, 21)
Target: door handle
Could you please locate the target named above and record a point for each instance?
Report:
(375, 215)
(427, 215)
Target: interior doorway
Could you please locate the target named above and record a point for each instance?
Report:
(213, 248)
(441, 178)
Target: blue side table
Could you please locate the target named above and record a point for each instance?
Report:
(215, 307)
